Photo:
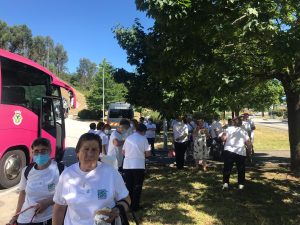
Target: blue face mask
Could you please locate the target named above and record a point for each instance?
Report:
(41, 159)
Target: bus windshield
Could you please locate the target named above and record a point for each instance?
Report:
(121, 113)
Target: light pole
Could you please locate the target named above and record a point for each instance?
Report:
(103, 108)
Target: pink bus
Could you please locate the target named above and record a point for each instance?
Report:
(31, 106)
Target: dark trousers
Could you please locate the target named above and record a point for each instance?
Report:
(48, 222)
(134, 179)
(151, 142)
(229, 159)
(180, 149)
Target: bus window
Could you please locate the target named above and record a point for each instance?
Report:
(48, 119)
(22, 85)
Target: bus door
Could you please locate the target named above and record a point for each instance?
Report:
(52, 121)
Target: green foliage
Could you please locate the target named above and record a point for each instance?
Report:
(113, 91)
(85, 73)
(90, 114)
(18, 39)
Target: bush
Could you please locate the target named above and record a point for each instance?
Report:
(90, 114)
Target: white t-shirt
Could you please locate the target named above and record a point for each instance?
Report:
(216, 125)
(115, 151)
(40, 184)
(179, 129)
(236, 138)
(135, 147)
(86, 192)
(150, 133)
(103, 136)
(92, 131)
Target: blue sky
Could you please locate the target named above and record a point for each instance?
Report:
(83, 27)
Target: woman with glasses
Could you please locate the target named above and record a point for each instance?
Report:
(37, 187)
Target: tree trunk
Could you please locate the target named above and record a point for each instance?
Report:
(263, 113)
(237, 112)
(232, 114)
(293, 105)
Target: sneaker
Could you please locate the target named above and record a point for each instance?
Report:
(225, 186)
(241, 186)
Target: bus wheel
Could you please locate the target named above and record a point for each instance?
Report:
(11, 166)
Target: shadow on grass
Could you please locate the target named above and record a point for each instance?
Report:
(193, 197)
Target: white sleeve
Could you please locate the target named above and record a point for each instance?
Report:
(147, 146)
(23, 181)
(124, 147)
(104, 140)
(120, 188)
(58, 196)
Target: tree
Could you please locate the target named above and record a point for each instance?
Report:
(20, 40)
(114, 92)
(4, 35)
(59, 59)
(266, 94)
(38, 52)
(85, 72)
(225, 41)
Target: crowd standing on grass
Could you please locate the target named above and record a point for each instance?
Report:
(109, 176)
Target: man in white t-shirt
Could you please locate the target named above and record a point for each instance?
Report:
(249, 126)
(116, 142)
(235, 139)
(135, 149)
(180, 139)
(150, 134)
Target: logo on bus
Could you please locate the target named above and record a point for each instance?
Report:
(17, 118)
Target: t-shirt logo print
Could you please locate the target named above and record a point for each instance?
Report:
(102, 194)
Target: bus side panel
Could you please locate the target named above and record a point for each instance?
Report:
(18, 126)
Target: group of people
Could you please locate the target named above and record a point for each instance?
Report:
(99, 189)
(234, 142)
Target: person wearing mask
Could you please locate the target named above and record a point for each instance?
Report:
(135, 149)
(180, 141)
(37, 187)
(235, 139)
(89, 188)
(116, 142)
(150, 134)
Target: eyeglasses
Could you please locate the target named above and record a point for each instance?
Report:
(42, 151)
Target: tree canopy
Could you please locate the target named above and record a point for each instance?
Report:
(200, 50)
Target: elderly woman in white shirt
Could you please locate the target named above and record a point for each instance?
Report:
(236, 140)
(89, 188)
(180, 140)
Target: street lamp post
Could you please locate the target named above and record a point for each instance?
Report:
(103, 108)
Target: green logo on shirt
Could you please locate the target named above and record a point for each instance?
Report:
(102, 194)
(51, 187)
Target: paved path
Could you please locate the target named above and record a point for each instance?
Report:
(273, 123)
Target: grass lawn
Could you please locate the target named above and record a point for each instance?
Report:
(266, 139)
(271, 197)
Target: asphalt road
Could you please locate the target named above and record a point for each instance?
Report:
(273, 123)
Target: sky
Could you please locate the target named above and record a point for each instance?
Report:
(83, 27)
